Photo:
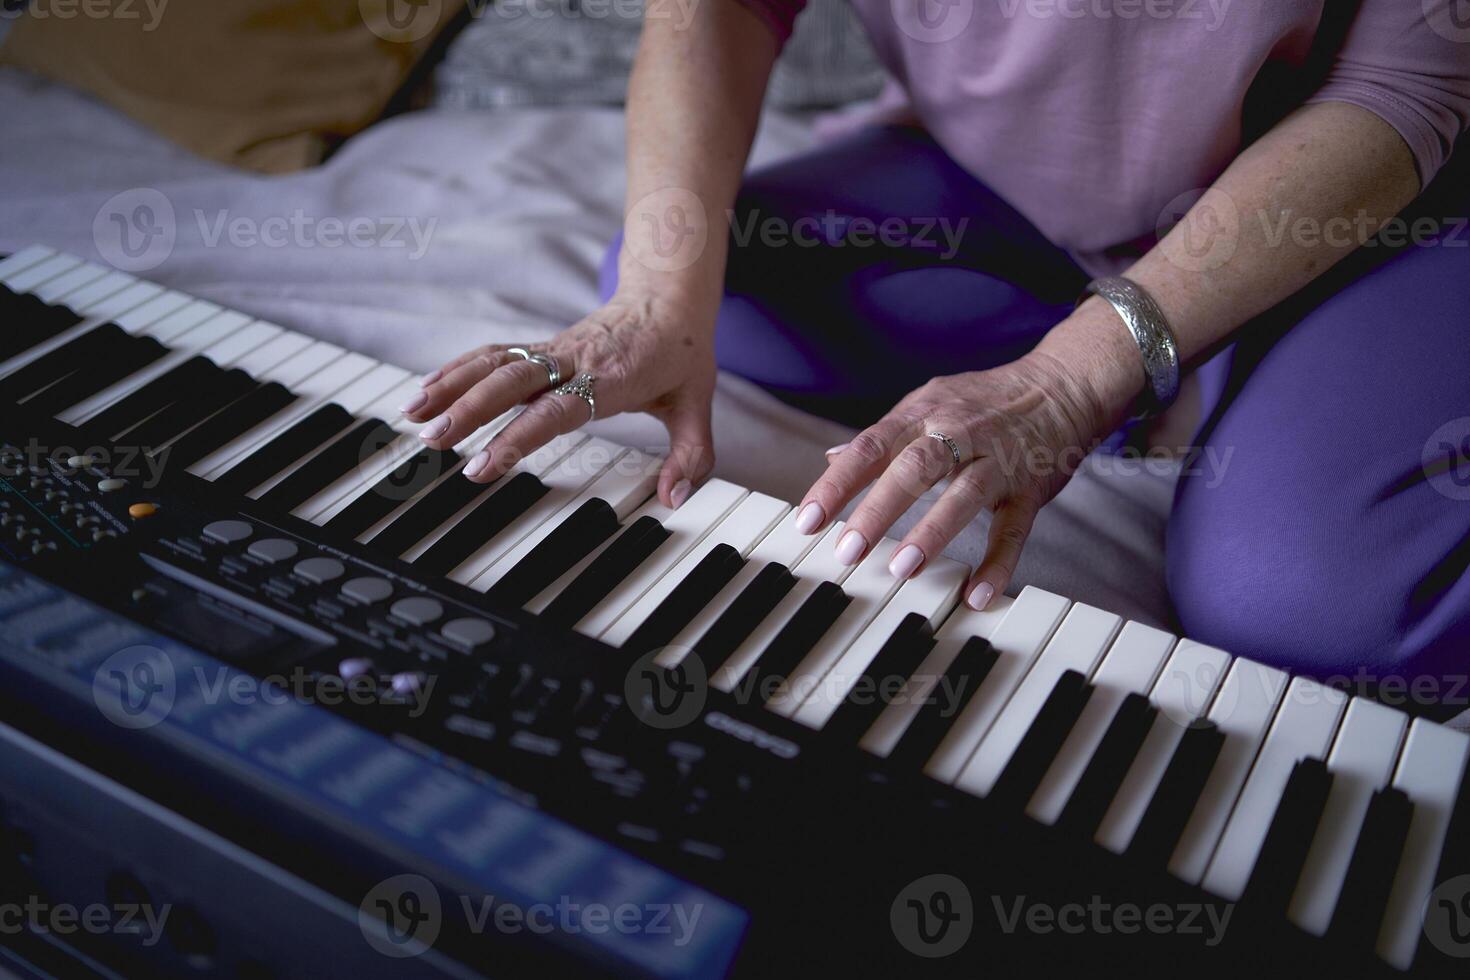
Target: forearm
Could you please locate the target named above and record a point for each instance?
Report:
(693, 104)
(1292, 205)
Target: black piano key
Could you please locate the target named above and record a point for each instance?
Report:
(95, 346)
(135, 355)
(1115, 752)
(1179, 790)
(233, 421)
(754, 603)
(157, 394)
(571, 541)
(406, 481)
(944, 703)
(363, 441)
(186, 412)
(1284, 852)
(490, 516)
(795, 640)
(1036, 751)
(628, 550)
(426, 514)
(28, 320)
(901, 654)
(1364, 897)
(686, 599)
(284, 449)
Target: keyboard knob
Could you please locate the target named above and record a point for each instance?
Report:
(418, 610)
(354, 667)
(468, 632)
(408, 682)
(111, 484)
(228, 532)
(320, 570)
(272, 550)
(368, 589)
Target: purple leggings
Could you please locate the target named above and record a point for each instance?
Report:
(1337, 537)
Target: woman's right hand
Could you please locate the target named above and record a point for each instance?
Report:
(646, 355)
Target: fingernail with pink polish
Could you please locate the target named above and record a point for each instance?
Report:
(436, 428)
(477, 463)
(981, 595)
(680, 493)
(810, 518)
(837, 449)
(415, 403)
(906, 561)
(851, 547)
(430, 378)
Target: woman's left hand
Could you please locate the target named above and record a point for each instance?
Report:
(1021, 430)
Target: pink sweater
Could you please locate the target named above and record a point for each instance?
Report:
(1092, 117)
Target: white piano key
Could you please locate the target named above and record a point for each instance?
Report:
(751, 520)
(820, 565)
(1361, 761)
(54, 290)
(1429, 771)
(1018, 641)
(1130, 667)
(1242, 711)
(1182, 694)
(26, 280)
(235, 346)
(784, 545)
(687, 526)
(627, 483)
(868, 588)
(1303, 729)
(932, 594)
(139, 305)
(649, 507)
(1078, 644)
(284, 345)
(164, 329)
(334, 496)
(114, 284)
(18, 262)
(537, 464)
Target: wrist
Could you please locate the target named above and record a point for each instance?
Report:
(1097, 351)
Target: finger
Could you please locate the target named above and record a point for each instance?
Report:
(504, 388)
(867, 456)
(973, 489)
(691, 451)
(543, 420)
(1008, 533)
(461, 360)
(433, 398)
(914, 472)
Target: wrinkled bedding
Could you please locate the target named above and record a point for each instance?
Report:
(482, 226)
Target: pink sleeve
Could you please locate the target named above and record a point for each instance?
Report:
(779, 15)
(1408, 62)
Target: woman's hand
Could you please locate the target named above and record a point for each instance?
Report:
(646, 357)
(1021, 431)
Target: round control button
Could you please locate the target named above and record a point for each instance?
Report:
(111, 484)
(228, 532)
(273, 550)
(468, 632)
(408, 682)
(320, 570)
(354, 667)
(139, 511)
(77, 462)
(418, 610)
(368, 589)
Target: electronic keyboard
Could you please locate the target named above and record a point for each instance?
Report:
(273, 668)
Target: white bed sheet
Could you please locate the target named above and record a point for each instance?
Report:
(523, 203)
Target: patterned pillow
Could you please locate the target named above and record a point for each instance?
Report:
(562, 52)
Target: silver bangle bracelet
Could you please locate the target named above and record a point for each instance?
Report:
(1155, 339)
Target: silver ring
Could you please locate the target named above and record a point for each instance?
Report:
(581, 386)
(553, 369)
(954, 449)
